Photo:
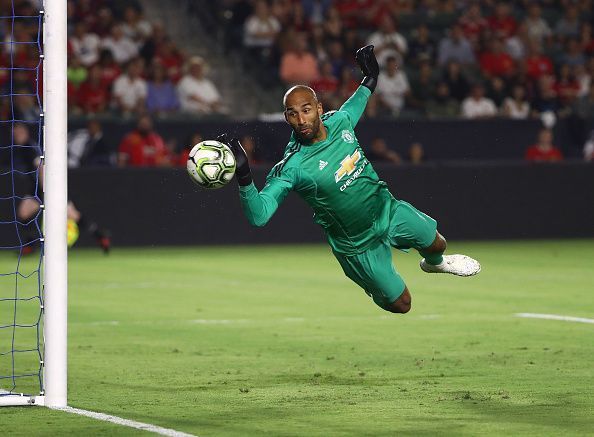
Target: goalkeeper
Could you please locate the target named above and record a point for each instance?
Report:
(325, 165)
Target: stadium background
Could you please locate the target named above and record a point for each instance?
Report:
(545, 48)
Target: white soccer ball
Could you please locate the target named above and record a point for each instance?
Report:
(211, 164)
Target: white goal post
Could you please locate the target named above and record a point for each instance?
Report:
(54, 303)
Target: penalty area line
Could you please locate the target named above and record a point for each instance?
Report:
(555, 317)
(124, 422)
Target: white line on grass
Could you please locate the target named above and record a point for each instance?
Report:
(124, 422)
(555, 317)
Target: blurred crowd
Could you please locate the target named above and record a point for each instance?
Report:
(440, 58)
(120, 62)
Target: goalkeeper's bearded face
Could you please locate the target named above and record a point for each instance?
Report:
(302, 112)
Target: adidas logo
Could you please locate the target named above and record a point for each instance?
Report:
(323, 164)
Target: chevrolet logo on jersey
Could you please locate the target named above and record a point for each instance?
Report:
(347, 165)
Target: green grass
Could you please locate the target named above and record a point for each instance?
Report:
(255, 340)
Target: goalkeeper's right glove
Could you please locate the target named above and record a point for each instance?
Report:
(242, 166)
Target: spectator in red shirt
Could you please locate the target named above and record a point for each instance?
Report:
(299, 66)
(501, 23)
(566, 86)
(143, 147)
(171, 59)
(473, 24)
(93, 96)
(495, 61)
(544, 150)
(537, 64)
(110, 70)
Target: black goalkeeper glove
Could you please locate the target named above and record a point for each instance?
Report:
(242, 166)
(368, 65)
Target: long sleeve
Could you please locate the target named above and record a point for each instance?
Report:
(259, 207)
(355, 105)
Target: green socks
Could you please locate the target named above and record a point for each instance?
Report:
(433, 258)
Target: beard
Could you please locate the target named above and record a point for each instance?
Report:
(314, 128)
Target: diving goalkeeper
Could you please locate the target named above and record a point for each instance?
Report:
(325, 165)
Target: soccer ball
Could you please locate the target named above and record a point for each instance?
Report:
(211, 164)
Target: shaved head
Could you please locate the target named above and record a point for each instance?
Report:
(299, 89)
(302, 112)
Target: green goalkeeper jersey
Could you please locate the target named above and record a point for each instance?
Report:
(335, 178)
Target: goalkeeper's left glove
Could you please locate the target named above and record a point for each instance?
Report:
(242, 166)
(369, 67)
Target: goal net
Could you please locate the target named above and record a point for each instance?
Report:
(24, 207)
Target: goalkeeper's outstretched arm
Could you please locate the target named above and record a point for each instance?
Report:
(258, 207)
(355, 105)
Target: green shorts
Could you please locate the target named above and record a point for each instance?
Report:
(373, 270)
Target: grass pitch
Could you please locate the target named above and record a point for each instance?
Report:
(254, 340)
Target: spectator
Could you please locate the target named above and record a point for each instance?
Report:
(104, 23)
(110, 70)
(569, 25)
(392, 87)
(84, 45)
(422, 46)
(161, 93)
(196, 93)
(171, 59)
(260, 30)
(130, 89)
(495, 61)
(455, 47)
(545, 99)
(122, 47)
(416, 154)
(537, 64)
(442, 105)
(501, 23)
(333, 25)
(422, 87)
(87, 147)
(316, 10)
(544, 150)
(516, 106)
(318, 43)
(538, 29)
(155, 42)
(473, 24)
(456, 81)
(573, 54)
(387, 41)
(497, 90)
(517, 45)
(26, 107)
(75, 73)
(584, 107)
(476, 105)
(325, 85)
(143, 147)
(299, 66)
(135, 26)
(566, 87)
(93, 96)
(589, 148)
(336, 57)
(381, 153)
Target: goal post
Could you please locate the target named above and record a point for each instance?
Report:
(45, 362)
(56, 198)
